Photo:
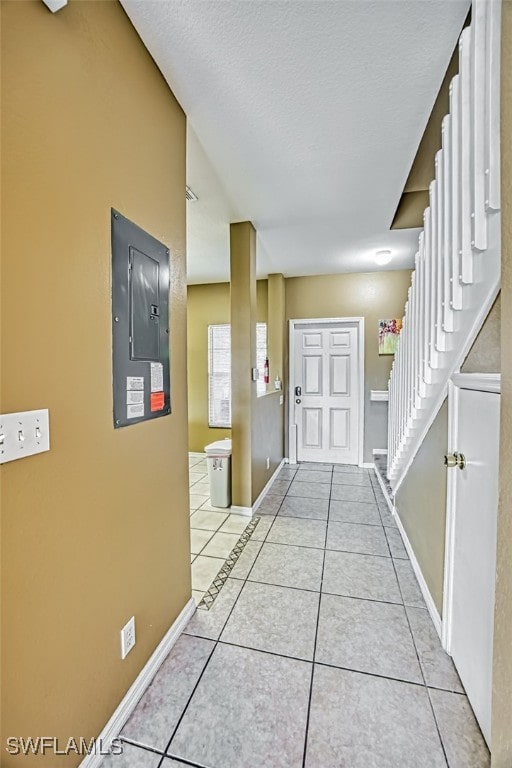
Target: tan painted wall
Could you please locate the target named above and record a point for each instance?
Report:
(243, 357)
(502, 672)
(208, 305)
(421, 504)
(372, 295)
(268, 411)
(98, 528)
(485, 354)
(267, 439)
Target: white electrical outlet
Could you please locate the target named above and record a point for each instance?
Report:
(268, 462)
(127, 637)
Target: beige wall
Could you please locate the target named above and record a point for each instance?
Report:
(267, 440)
(372, 295)
(421, 505)
(208, 305)
(268, 411)
(502, 672)
(485, 354)
(98, 528)
(243, 358)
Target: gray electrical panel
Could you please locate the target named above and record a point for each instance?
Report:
(140, 324)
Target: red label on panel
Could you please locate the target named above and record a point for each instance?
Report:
(157, 401)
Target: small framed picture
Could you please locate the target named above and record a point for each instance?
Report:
(389, 332)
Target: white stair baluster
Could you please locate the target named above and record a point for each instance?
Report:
(427, 279)
(433, 353)
(448, 314)
(466, 252)
(441, 337)
(456, 285)
(478, 214)
(492, 101)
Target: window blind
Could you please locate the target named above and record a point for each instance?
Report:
(219, 375)
(261, 354)
(219, 371)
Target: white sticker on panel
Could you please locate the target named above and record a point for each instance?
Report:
(135, 411)
(134, 396)
(135, 382)
(157, 377)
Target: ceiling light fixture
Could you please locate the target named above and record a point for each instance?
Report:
(382, 257)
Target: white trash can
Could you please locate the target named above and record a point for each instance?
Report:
(218, 459)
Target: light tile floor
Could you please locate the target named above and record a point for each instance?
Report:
(213, 531)
(318, 651)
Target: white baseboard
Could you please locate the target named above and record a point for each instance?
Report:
(266, 489)
(135, 692)
(234, 510)
(384, 490)
(251, 510)
(431, 606)
(380, 451)
(367, 465)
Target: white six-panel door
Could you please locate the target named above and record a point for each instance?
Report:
(326, 392)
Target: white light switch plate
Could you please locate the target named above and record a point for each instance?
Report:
(23, 434)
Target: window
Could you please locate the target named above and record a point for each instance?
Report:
(219, 371)
(261, 356)
(219, 375)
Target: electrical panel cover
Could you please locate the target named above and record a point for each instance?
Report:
(140, 324)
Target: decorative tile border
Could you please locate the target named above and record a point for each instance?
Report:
(215, 587)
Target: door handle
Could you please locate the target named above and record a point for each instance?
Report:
(455, 460)
(298, 391)
(298, 401)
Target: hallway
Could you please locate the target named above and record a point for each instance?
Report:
(318, 651)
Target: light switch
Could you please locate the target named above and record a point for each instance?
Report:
(24, 434)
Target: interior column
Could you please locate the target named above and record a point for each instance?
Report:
(243, 357)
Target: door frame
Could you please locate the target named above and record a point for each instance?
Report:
(480, 382)
(292, 427)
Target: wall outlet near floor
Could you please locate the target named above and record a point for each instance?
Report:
(268, 462)
(127, 637)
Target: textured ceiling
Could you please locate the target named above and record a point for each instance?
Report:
(306, 116)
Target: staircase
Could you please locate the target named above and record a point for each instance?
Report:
(457, 268)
